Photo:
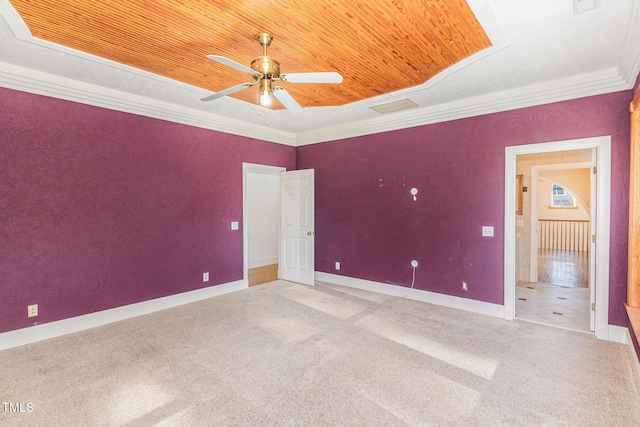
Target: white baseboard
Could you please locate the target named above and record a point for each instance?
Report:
(74, 324)
(618, 334)
(622, 335)
(450, 301)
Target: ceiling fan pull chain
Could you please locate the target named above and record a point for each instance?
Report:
(266, 110)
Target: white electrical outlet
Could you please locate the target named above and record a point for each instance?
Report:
(205, 277)
(487, 231)
(465, 286)
(337, 265)
(414, 263)
(235, 225)
(32, 310)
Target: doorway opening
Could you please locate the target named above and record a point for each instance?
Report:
(600, 225)
(554, 277)
(261, 221)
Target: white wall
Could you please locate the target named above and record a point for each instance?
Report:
(577, 181)
(545, 211)
(262, 201)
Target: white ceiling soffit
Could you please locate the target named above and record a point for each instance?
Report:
(541, 52)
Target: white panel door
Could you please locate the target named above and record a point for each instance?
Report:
(297, 236)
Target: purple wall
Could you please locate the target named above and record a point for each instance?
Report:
(367, 220)
(100, 209)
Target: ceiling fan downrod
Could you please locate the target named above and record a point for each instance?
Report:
(264, 65)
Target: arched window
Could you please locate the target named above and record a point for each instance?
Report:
(561, 198)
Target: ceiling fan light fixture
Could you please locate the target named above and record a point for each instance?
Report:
(265, 99)
(265, 92)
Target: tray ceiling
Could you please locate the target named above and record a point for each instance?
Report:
(378, 47)
(405, 62)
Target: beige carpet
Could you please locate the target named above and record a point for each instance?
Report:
(285, 354)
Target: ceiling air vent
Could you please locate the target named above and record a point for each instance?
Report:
(580, 6)
(390, 107)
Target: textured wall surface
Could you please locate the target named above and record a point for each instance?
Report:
(100, 209)
(367, 219)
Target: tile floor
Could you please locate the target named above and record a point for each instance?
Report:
(562, 306)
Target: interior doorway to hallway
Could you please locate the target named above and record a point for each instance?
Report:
(261, 222)
(278, 224)
(554, 280)
(514, 231)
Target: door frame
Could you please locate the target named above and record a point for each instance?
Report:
(603, 222)
(259, 169)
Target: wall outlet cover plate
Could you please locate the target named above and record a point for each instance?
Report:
(487, 231)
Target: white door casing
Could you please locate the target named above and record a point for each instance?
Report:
(603, 220)
(297, 235)
(593, 253)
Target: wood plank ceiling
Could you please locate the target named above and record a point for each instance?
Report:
(378, 47)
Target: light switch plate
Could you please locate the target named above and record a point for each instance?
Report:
(487, 231)
(234, 225)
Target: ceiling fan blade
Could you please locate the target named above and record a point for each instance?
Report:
(226, 92)
(287, 100)
(325, 77)
(233, 64)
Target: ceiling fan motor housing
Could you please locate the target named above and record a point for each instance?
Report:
(266, 66)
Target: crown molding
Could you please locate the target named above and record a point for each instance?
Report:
(36, 82)
(598, 83)
(21, 77)
(28, 80)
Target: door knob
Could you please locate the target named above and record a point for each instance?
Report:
(310, 233)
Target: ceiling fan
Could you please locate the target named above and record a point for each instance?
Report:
(265, 71)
